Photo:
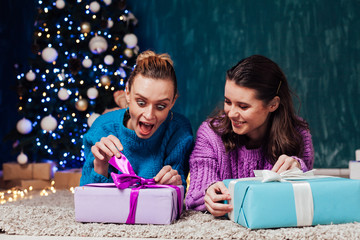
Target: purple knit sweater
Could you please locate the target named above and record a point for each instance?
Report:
(210, 163)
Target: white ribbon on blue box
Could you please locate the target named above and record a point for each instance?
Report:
(292, 199)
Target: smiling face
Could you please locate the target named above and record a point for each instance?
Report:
(150, 101)
(249, 116)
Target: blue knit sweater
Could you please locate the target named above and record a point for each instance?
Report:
(171, 145)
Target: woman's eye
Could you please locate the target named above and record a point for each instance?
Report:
(227, 101)
(140, 103)
(244, 107)
(161, 107)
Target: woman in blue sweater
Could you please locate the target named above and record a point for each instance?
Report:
(156, 141)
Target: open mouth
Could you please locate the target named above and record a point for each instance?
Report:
(237, 123)
(145, 128)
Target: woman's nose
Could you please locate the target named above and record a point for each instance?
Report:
(233, 113)
(149, 112)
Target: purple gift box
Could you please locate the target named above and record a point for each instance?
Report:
(108, 204)
(130, 199)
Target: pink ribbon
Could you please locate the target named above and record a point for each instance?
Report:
(128, 178)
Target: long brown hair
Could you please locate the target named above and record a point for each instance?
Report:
(267, 79)
(155, 66)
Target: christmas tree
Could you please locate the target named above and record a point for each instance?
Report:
(84, 50)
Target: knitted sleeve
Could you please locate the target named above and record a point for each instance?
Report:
(179, 146)
(100, 128)
(307, 160)
(203, 167)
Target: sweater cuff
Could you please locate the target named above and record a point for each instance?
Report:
(303, 166)
(98, 178)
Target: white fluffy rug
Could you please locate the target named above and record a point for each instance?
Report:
(54, 216)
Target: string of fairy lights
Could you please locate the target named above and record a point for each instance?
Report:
(17, 193)
(76, 62)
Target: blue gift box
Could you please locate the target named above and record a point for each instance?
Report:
(274, 204)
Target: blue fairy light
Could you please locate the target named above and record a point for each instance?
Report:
(38, 144)
(43, 100)
(65, 154)
(18, 77)
(66, 19)
(48, 99)
(58, 26)
(126, 11)
(46, 146)
(60, 44)
(45, 109)
(75, 120)
(29, 100)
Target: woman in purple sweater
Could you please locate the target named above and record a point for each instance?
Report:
(257, 129)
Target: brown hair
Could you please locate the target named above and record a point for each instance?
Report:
(265, 76)
(155, 66)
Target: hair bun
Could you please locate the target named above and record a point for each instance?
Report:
(150, 55)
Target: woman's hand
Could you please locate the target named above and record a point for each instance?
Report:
(168, 176)
(104, 150)
(216, 193)
(284, 163)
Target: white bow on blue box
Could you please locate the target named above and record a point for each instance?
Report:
(292, 199)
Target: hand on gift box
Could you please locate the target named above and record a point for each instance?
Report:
(105, 149)
(214, 195)
(284, 163)
(168, 176)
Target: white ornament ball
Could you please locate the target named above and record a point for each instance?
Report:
(60, 4)
(130, 40)
(107, 2)
(94, 7)
(49, 54)
(98, 45)
(92, 93)
(30, 76)
(108, 59)
(22, 158)
(63, 94)
(24, 126)
(48, 123)
(87, 63)
(110, 23)
(92, 118)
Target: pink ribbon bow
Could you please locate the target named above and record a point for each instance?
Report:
(128, 178)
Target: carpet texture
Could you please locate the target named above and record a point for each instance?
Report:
(53, 215)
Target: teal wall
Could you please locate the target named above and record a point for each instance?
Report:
(316, 43)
